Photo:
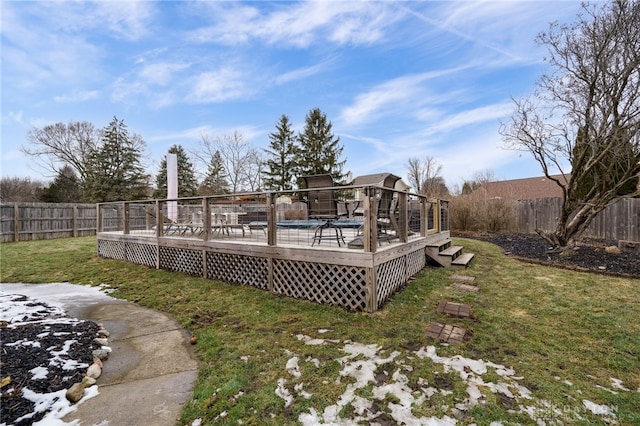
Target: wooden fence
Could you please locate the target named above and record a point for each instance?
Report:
(620, 221)
(41, 221)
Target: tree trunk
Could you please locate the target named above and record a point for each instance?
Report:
(569, 228)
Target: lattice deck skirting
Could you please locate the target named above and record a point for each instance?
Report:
(361, 282)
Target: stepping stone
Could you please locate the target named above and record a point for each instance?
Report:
(464, 287)
(461, 310)
(447, 333)
(462, 278)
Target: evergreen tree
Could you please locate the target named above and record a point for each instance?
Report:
(216, 180)
(319, 151)
(281, 161)
(187, 185)
(114, 171)
(65, 188)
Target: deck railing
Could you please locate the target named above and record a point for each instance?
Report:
(363, 217)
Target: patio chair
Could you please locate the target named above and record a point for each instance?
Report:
(386, 216)
(322, 206)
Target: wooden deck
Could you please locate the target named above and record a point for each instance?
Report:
(324, 273)
(279, 255)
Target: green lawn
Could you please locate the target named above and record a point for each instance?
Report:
(551, 340)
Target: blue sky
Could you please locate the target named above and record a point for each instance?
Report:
(396, 79)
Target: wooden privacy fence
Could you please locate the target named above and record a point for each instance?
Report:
(620, 221)
(41, 221)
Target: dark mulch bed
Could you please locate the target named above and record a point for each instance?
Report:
(589, 255)
(61, 345)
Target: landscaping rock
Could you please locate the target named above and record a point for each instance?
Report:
(88, 381)
(94, 371)
(75, 393)
(101, 341)
(101, 354)
(612, 250)
(98, 361)
(103, 333)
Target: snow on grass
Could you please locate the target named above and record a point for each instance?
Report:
(393, 393)
(617, 383)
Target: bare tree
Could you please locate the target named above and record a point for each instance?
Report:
(254, 170)
(57, 145)
(238, 157)
(479, 178)
(17, 189)
(585, 114)
(424, 176)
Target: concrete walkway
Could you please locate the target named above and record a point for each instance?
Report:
(151, 371)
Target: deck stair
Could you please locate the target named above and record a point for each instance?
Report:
(447, 255)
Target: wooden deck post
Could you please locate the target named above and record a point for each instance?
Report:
(423, 217)
(206, 219)
(403, 219)
(272, 237)
(98, 218)
(370, 227)
(159, 220)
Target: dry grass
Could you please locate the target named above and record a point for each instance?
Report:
(552, 326)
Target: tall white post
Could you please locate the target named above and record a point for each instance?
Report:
(172, 186)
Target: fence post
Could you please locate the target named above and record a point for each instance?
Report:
(16, 223)
(74, 221)
(125, 218)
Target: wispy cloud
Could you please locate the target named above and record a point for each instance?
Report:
(223, 84)
(470, 117)
(302, 73)
(161, 73)
(403, 95)
(299, 24)
(77, 96)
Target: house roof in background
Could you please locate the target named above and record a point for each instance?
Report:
(521, 189)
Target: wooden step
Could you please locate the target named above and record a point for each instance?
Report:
(452, 251)
(463, 260)
(440, 244)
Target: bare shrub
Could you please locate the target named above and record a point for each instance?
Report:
(469, 213)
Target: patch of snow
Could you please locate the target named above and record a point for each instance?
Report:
(309, 341)
(55, 404)
(617, 383)
(299, 388)
(601, 410)
(284, 393)
(39, 373)
(293, 368)
(611, 391)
